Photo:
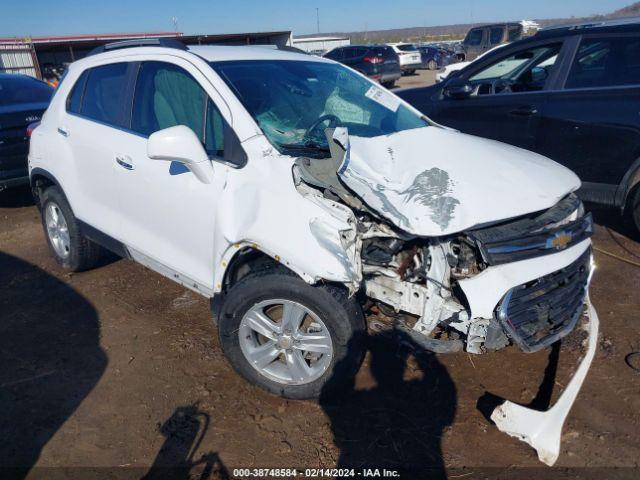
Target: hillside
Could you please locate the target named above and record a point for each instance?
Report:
(458, 31)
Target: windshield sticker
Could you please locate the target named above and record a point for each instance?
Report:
(384, 98)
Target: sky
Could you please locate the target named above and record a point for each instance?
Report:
(60, 17)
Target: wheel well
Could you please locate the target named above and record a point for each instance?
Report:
(39, 183)
(246, 261)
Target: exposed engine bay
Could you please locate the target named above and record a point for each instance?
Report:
(416, 280)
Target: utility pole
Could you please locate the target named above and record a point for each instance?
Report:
(174, 20)
(318, 18)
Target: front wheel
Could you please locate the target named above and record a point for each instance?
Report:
(290, 338)
(433, 65)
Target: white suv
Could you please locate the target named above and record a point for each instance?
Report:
(292, 191)
(409, 56)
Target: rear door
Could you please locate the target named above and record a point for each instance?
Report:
(474, 43)
(93, 130)
(510, 92)
(592, 123)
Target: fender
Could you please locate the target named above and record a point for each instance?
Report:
(49, 176)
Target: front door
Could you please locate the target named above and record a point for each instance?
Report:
(167, 213)
(507, 99)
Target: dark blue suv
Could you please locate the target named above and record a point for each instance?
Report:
(378, 62)
(570, 93)
(23, 100)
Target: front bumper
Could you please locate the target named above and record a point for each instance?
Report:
(543, 430)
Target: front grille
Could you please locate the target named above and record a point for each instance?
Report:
(534, 236)
(543, 311)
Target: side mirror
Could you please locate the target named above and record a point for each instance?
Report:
(180, 144)
(458, 89)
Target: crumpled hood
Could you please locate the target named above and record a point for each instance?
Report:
(434, 181)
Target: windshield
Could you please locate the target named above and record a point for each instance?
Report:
(293, 102)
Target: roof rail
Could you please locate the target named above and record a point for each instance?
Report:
(139, 42)
(593, 24)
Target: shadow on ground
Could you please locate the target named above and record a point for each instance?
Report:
(176, 459)
(50, 356)
(399, 423)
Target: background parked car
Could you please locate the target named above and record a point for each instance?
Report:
(447, 70)
(434, 58)
(569, 93)
(378, 62)
(410, 58)
(23, 100)
(481, 39)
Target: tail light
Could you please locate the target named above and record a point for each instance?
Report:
(374, 60)
(31, 127)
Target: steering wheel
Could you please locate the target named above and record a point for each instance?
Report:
(333, 122)
(501, 85)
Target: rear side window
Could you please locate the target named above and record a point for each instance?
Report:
(349, 52)
(74, 100)
(389, 53)
(606, 62)
(104, 93)
(474, 38)
(495, 35)
(407, 48)
(514, 34)
(18, 89)
(167, 95)
(335, 54)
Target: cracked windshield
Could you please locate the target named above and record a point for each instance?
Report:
(294, 102)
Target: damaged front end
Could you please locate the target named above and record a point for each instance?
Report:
(418, 253)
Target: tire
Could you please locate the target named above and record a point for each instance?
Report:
(632, 210)
(341, 316)
(389, 85)
(72, 250)
(433, 65)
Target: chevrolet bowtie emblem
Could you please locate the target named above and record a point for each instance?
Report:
(561, 240)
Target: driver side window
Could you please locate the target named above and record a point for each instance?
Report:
(523, 71)
(167, 95)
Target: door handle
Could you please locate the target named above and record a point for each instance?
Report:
(125, 162)
(528, 111)
(63, 131)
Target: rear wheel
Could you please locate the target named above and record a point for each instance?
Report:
(70, 248)
(290, 338)
(390, 84)
(632, 210)
(433, 65)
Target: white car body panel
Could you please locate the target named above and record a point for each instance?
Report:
(430, 182)
(425, 181)
(408, 60)
(543, 430)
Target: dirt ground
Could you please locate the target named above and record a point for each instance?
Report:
(419, 79)
(120, 367)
